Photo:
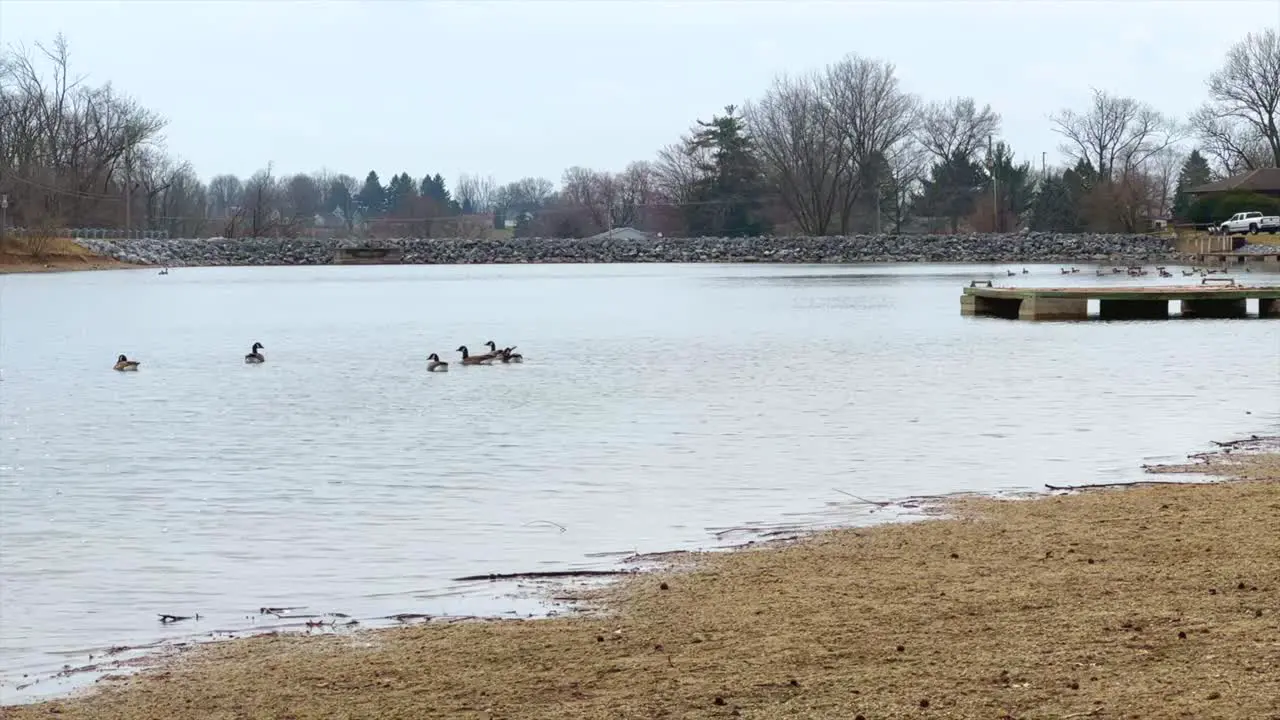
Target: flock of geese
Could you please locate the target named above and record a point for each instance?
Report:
(1136, 271)
(434, 364)
(505, 355)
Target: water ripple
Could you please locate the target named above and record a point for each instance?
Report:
(659, 406)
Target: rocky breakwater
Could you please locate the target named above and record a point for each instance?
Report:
(1028, 247)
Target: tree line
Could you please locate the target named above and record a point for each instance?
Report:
(840, 150)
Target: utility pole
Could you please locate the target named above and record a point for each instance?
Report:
(995, 185)
(128, 185)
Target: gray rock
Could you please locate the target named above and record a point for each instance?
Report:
(1022, 247)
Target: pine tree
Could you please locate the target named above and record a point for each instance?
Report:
(727, 198)
(952, 189)
(1195, 172)
(372, 197)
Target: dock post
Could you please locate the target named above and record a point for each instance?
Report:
(1269, 307)
(1133, 309)
(1045, 308)
(977, 305)
(1215, 308)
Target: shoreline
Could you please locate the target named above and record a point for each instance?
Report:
(877, 610)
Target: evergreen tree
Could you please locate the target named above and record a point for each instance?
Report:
(952, 189)
(372, 198)
(1195, 172)
(1014, 189)
(338, 200)
(433, 187)
(1054, 207)
(400, 195)
(727, 197)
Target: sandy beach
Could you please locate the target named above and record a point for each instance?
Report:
(1159, 600)
(61, 255)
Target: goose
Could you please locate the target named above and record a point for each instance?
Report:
(508, 354)
(124, 364)
(469, 359)
(254, 357)
(435, 364)
(1025, 271)
(1010, 273)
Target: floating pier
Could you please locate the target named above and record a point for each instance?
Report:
(1267, 260)
(1117, 303)
(367, 256)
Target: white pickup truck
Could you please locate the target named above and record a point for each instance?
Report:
(1250, 222)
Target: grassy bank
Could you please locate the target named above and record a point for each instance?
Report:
(1153, 601)
(51, 255)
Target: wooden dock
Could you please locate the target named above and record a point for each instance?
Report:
(367, 256)
(1268, 260)
(1117, 303)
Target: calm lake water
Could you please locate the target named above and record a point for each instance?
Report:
(658, 406)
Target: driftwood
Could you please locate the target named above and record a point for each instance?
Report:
(548, 574)
(1242, 441)
(279, 610)
(165, 618)
(406, 617)
(863, 500)
(1119, 484)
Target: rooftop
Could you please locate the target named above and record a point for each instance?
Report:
(1264, 180)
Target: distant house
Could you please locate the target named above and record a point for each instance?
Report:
(1263, 181)
(623, 233)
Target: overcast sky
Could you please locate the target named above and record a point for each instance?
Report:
(521, 88)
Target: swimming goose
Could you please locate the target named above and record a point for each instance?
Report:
(123, 363)
(435, 364)
(469, 359)
(506, 355)
(254, 357)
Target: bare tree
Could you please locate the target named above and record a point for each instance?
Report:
(956, 128)
(66, 147)
(872, 116)
(801, 149)
(526, 195)
(476, 192)
(1240, 124)
(590, 190)
(261, 203)
(1116, 135)
(1162, 172)
(184, 204)
(302, 197)
(225, 194)
(678, 170)
(907, 164)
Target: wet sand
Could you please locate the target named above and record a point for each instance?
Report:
(1149, 601)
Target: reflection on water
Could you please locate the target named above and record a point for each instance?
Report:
(659, 406)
